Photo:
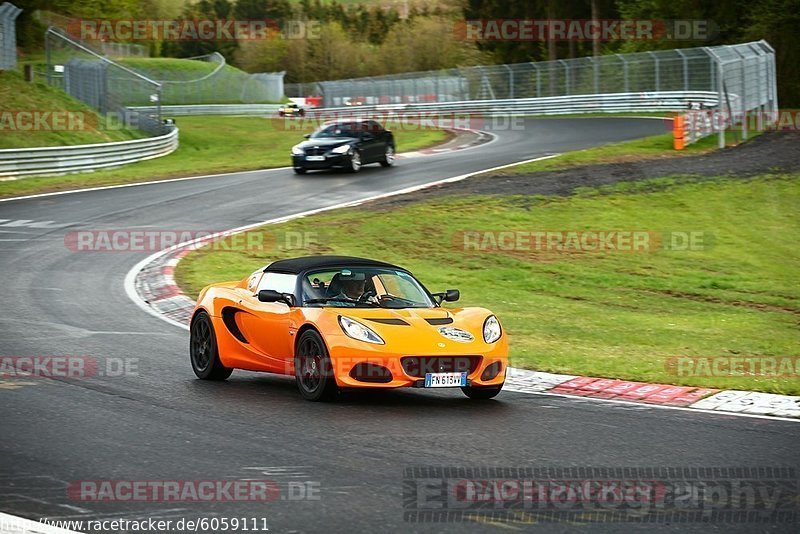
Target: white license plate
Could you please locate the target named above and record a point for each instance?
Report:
(315, 158)
(445, 380)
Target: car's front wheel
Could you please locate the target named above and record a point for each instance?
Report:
(482, 393)
(312, 368)
(388, 156)
(203, 350)
(355, 161)
(299, 170)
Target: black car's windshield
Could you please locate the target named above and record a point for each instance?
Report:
(345, 129)
(364, 287)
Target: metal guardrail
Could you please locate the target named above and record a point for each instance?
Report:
(606, 103)
(556, 105)
(211, 109)
(81, 158)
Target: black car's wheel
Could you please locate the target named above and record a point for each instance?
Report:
(355, 161)
(312, 368)
(299, 170)
(388, 156)
(203, 350)
(482, 393)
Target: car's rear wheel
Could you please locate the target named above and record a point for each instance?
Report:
(482, 393)
(355, 161)
(299, 170)
(312, 368)
(203, 351)
(388, 156)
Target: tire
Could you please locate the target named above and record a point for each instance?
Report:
(299, 170)
(482, 393)
(355, 161)
(313, 371)
(203, 352)
(388, 156)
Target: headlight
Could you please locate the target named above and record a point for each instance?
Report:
(491, 329)
(358, 331)
(344, 149)
(297, 151)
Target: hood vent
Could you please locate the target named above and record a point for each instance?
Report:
(440, 321)
(396, 322)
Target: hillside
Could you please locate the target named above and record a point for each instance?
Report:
(20, 100)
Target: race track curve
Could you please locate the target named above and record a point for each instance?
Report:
(163, 424)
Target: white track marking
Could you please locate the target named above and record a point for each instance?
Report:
(130, 277)
(186, 178)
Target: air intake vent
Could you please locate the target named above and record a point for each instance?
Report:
(440, 321)
(397, 322)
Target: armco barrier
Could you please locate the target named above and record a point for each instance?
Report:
(557, 105)
(212, 109)
(81, 158)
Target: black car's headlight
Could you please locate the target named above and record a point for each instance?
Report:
(358, 331)
(297, 151)
(344, 149)
(491, 329)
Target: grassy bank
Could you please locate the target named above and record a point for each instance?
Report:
(208, 145)
(612, 314)
(645, 148)
(84, 127)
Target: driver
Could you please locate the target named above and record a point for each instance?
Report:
(353, 289)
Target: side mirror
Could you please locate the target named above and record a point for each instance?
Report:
(366, 136)
(452, 295)
(270, 295)
(307, 136)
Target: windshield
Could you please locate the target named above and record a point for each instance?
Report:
(345, 129)
(365, 288)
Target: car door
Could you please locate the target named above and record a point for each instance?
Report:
(372, 144)
(266, 325)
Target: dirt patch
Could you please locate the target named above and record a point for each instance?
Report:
(771, 152)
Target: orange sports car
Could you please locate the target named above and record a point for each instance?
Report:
(337, 322)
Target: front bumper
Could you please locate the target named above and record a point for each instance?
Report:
(408, 370)
(330, 161)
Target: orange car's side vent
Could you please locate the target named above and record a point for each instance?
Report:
(397, 322)
(229, 318)
(440, 321)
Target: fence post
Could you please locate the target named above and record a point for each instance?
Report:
(566, 76)
(685, 62)
(8, 35)
(510, 81)
(624, 72)
(657, 70)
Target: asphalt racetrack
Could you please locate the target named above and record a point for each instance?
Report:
(350, 457)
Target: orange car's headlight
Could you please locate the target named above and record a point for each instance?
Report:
(491, 329)
(358, 331)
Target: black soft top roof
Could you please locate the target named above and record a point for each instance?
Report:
(299, 265)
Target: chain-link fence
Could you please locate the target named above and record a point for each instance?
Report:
(744, 71)
(742, 77)
(8, 35)
(102, 83)
(209, 80)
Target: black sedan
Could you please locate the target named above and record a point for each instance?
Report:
(346, 144)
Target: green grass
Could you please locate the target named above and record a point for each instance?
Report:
(645, 148)
(612, 314)
(18, 95)
(208, 145)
